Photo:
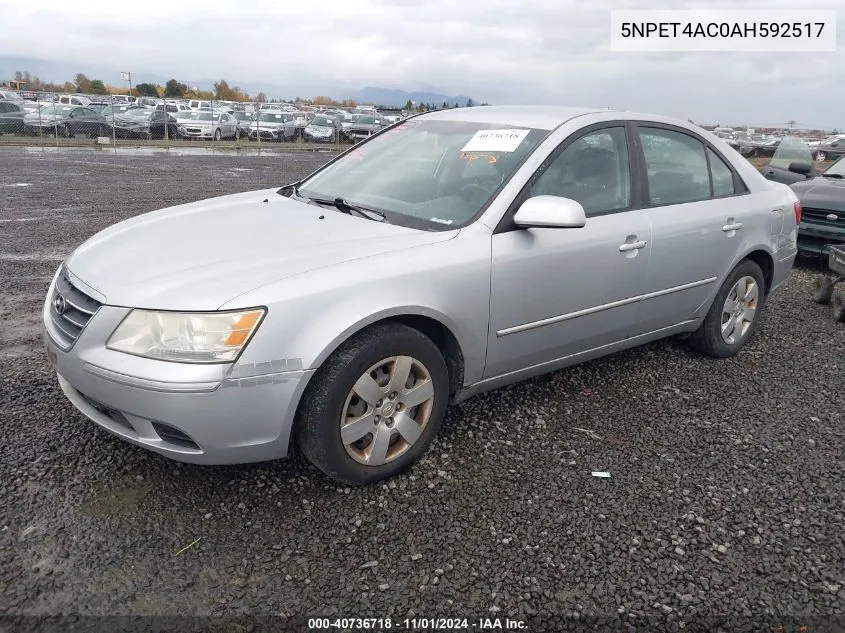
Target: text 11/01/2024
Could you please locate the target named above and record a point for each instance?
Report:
(417, 624)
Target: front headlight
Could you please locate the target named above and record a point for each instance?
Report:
(186, 337)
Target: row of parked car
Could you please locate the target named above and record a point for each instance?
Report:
(78, 115)
(761, 145)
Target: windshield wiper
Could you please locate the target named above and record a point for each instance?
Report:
(833, 175)
(345, 207)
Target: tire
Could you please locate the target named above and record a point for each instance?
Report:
(822, 289)
(838, 302)
(65, 131)
(237, 134)
(329, 399)
(821, 156)
(708, 339)
(218, 134)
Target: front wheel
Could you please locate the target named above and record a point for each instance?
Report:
(733, 317)
(237, 134)
(218, 134)
(821, 157)
(374, 407)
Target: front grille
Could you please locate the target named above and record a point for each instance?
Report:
(819, 216)
(193, 130)
(70, 311)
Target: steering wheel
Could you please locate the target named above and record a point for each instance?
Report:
(471, 187)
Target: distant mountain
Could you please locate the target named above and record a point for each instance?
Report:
(393, 97)
(60, 72)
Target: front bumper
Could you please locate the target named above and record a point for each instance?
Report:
(814, 238)
(196, 132)
(266, 135)
(318, 138)
(203, 414)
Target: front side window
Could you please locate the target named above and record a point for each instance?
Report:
(593, 170)
(676, 165)
(429, 173)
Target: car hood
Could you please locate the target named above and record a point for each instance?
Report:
(202, 255)
(821, 193)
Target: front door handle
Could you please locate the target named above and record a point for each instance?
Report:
(632, 246)
(735, 226)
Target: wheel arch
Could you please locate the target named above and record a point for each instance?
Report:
(765, 261)
(760, 256)
(429, 322)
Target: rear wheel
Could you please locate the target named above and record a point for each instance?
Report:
(218, 134)
(733, 317)
(374, 407)
(822, 289)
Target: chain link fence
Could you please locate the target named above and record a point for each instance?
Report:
(120, 121)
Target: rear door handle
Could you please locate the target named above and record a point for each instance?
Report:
(632, 246)
(732, 227)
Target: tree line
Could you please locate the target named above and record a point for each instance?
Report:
(174, 89)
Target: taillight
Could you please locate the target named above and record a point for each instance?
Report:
(797, 213)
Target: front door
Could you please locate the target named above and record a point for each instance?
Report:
(557, 292)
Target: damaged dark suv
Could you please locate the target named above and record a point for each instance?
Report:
(822, 194)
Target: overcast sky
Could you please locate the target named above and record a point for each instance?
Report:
(501, 51)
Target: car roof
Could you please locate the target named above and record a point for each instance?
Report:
(542, 117)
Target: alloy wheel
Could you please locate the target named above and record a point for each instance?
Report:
(739, 310)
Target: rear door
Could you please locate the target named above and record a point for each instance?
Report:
(700, 212)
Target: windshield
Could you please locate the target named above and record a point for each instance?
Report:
(321, 121)
(831, 139)
(430, 173)
(202, 116)
(270, 116)
(242, 116)
(790, 150)
(836, 169)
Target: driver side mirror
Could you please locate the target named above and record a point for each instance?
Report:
(801, 168)
(550, 212)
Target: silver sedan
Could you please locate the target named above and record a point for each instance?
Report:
(449, 254)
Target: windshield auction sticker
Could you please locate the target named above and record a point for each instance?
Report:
(739, 30)
(495, 141)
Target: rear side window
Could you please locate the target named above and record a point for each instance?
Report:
(723, 178)
(676, 165)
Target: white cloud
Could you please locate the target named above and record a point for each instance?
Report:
(503, 51)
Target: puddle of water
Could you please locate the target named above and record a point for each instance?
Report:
(179, 151)
(31, 257)
(39, 218)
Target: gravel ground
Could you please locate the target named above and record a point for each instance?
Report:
(726, 498)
